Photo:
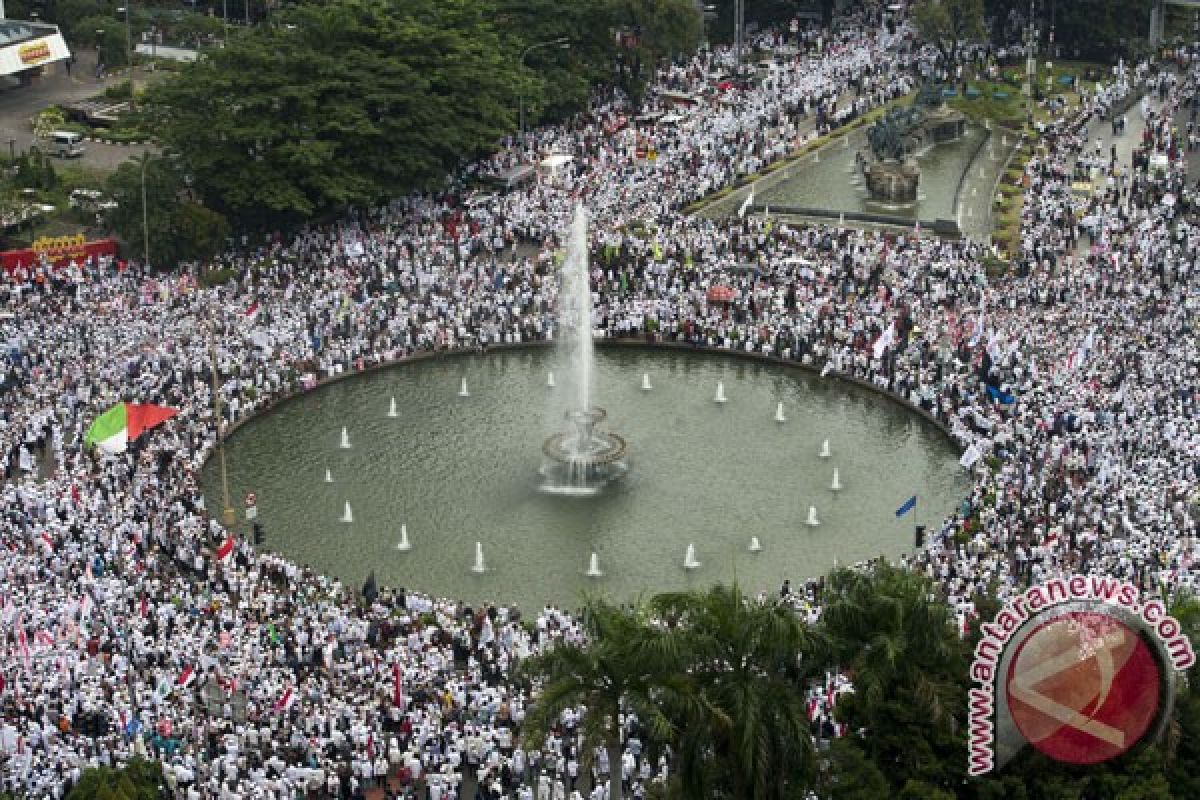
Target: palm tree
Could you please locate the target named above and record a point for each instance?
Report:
(907, 664)
(744, 731)
(619, 667)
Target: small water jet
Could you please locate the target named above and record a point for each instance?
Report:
(347, 514)
(755, 547)
(550, 380)
(392, 409)
(345, 439)
(328, 476)
(462, 389)
(837, 481)
(593, 570)
(720, 396)
(646, 382)
(812, 520)
(779, 417)
(689, 558)
(825, 451)
(478, 566)
(403, 544)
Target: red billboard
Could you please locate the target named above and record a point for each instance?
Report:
(58, 251)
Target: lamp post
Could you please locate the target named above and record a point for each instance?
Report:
(739, 29)
(228, 517)
(707, 12)
(563, 44)
(145, 215)
(129, 57)
(1031, 37)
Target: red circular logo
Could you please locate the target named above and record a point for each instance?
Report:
(1083, 687)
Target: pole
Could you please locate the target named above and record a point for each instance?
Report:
(1030, 62)
(739, 21)
(227, 516)
(145, 216)
(559, 42)
(129, 44)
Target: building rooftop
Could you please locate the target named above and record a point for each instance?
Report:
(14, 31)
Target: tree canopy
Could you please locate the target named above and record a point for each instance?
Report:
(137, 780)
(176, 227)
(350, 102)
(342, 105)
(948, 25)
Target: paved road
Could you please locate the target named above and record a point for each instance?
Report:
(18, 106)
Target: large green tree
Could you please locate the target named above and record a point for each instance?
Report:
(623, 666)
(176, 227)
(338, 105)
(949, 25)
(650, 30)
(909, 672)
(745, 734)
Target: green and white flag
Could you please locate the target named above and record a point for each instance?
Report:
(114, 429)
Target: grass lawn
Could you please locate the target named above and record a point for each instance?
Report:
(1002, 100)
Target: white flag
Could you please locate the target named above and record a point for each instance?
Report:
(885, 340)
(969, 457)
(749, 201)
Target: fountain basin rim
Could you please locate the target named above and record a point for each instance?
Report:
(554, 449)
(616, 344)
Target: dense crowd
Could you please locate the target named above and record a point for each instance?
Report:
(1070, 384)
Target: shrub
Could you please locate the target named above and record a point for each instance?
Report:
(216, 277)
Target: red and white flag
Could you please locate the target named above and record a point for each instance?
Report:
(187, 677)
(251, 313)
(285, 701)
(22, 641)
(225, 549)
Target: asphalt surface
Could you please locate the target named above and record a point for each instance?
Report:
(19, 105)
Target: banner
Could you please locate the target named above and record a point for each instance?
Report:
(58, 251)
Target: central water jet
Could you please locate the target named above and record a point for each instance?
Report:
(580, 460)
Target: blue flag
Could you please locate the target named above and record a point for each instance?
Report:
(1004, 398)
(908, 506)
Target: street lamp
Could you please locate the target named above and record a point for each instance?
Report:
(707, 12)
(1031, 38)
(563, 44)
(739, 31)
(129, 58)
(145, 215)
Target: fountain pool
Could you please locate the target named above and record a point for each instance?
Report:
(464, 470)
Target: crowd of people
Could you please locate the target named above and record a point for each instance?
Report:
(1070, 383)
